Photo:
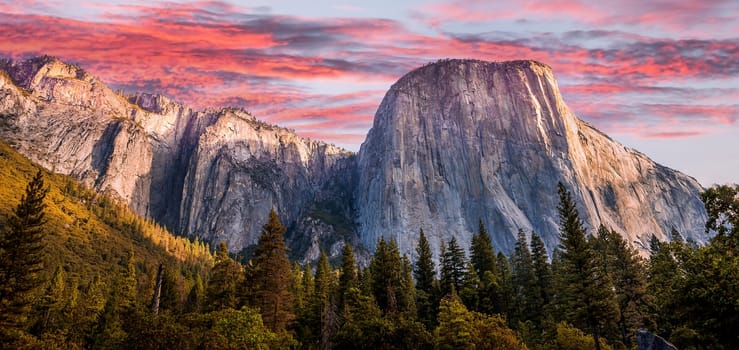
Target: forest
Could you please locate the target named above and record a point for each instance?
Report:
(80, 271)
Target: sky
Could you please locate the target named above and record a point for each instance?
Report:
(659, 76)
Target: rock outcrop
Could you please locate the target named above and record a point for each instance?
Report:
(452, 143)
(461, 141)
(213, 173)
(647, 340)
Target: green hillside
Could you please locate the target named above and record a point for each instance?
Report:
(92, 238)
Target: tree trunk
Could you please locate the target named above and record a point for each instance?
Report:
(157, 290)
(596, 339)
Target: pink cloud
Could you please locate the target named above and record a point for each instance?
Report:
(211, 54)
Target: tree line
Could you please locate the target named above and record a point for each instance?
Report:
(593, 292)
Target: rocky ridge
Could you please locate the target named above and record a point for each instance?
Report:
(212, 173)
(463, 141)
(453, 143)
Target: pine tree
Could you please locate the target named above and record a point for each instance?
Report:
(587, 295)
(271, 277)
(470, 291)
(542, 279)
(504, 298)
(408, 290)
(482, 255)
(221, 290)
(121, 310)
(386, 273)
(50, 304)
(626, 269)
(297, 287)
(425, 276)
(525, 295)
(324, 303)
(196, 296)
(452, 267)
(348, 278)
(22, 257)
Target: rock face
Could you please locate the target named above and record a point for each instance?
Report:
(213, 173)
(649, 341)
(452, 143)
(461, 141)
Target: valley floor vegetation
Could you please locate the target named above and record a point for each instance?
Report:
(79, 271)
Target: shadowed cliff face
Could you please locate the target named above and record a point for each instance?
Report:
(213, 173)
(461, 141)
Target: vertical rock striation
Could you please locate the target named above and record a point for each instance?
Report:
(461, 141)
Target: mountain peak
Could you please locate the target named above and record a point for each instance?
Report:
(441, 68)
(460, 141)
(29, 73)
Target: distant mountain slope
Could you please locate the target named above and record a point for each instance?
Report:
(462, 141)
(214, 173)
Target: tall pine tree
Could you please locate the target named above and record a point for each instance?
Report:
(587, 295)
(222, 287)
(271, 277)
(626, 269)
(482, 255)
(22, 257)
(425, 274)
(525, 295)
(348, 278)
(542, 276)
(452, 267)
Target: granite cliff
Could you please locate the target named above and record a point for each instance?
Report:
(453, 143)
(212, 173)
(461, 141)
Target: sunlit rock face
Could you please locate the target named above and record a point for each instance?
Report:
(213, 173)
(461, 141)
(453, 143)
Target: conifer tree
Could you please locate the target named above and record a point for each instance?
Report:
(297, 288)
(470, 291)
(626, 269)
(222, 286)
(271, 277)
(386, 272)
(587, 295)
(542, 279)
(325, 321)
(482, 255)
(408, 289)
(504, 298)
(196, 296)
(452, 267)
(309, 284)
(348, 278)
(52, 301)
(525, 295)
(22, 257)
(424, 273)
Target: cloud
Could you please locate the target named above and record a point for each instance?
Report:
(286, 69)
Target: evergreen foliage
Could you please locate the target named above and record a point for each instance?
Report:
(270, 278)
(482, 255)
(424, 273)
(453, 263)
(586, 292)
(222, 287)
(103, 264)
(22, 257)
